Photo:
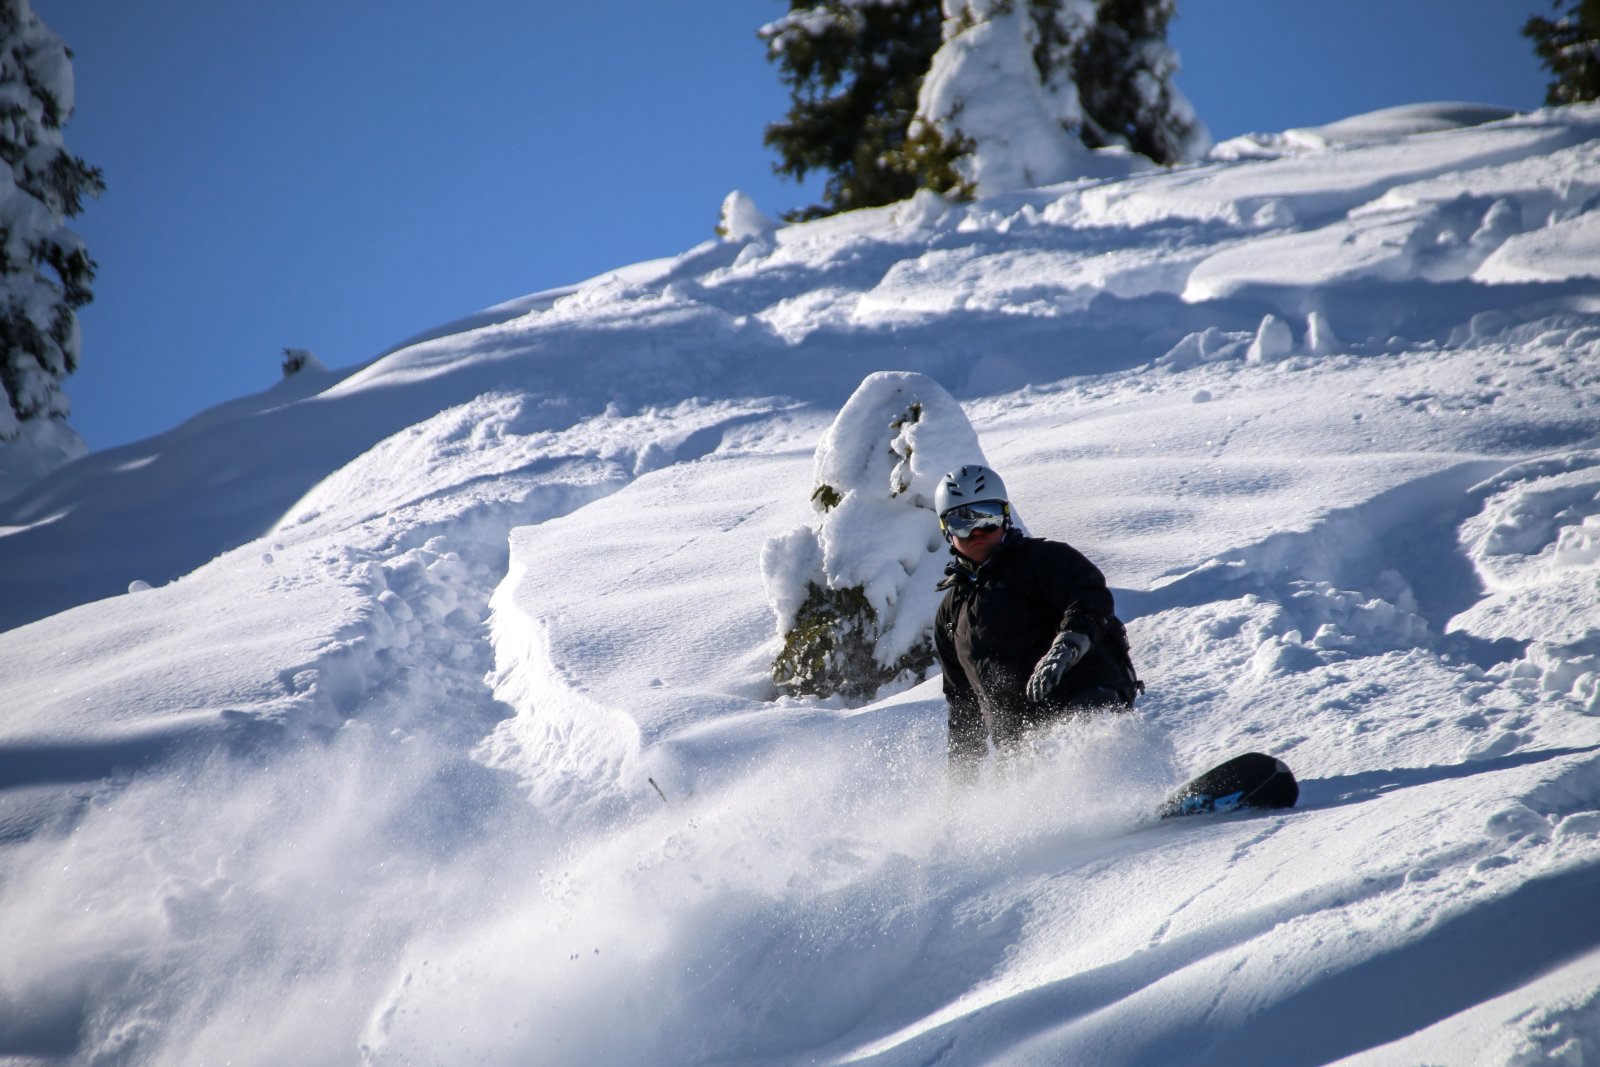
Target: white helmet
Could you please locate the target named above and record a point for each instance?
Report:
(968, 485)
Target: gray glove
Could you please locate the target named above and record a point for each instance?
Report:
(1062, 656)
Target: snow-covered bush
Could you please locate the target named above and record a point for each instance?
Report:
(296, 360)
(741, 219)
(854, 597)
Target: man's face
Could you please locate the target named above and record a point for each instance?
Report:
(979, 543)
(974, 529)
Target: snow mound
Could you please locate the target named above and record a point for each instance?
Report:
(1384, 124)
(1408, 119)
(1564, 248)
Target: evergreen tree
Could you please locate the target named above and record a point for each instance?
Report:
(1123, 68)
(859, 71)
(1569, 48)
(44, 269)
(1031, 88)
(853, 68)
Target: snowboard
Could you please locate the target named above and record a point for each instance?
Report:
(1250, 781)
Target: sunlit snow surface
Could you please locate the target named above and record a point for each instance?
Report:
(444, 733)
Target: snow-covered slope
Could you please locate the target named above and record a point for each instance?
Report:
(443, 732)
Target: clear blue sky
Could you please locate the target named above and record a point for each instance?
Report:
(341, 174)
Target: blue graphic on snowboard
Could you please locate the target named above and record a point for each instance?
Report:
(1250, 781)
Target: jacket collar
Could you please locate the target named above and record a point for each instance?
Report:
(963, 571)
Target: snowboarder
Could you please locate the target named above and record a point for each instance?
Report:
(1026, 633)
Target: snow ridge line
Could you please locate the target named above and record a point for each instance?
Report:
(572, 753)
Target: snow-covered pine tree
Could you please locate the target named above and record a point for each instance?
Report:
(853, 68)
(45, 270)
(1001, 94)
(1123, 68)
(1030, 86)
(1569, 48)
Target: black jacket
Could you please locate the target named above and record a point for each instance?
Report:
(998, 618)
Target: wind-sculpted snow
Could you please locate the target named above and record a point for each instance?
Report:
(440, 727)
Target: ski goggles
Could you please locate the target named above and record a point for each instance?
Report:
(968, 519)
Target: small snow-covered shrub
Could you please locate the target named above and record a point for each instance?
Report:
(296, 360)
(830, 648)
(741, 219)
(854, 597)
